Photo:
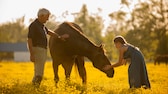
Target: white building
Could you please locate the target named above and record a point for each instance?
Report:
(19, 50)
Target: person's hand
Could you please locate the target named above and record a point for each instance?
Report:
(107, 67)
(124, 61)
(32, 58)
(64, 36)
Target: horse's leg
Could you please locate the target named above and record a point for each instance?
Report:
(165, 62)
(155, 62)
(67, 65)
(55, 68)
(158, 62)
(79, 60)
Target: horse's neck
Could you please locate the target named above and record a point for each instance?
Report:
(87, 47)
(90, 52)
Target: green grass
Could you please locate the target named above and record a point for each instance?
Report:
(15, 78)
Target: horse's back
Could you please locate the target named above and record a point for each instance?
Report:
(67, 48)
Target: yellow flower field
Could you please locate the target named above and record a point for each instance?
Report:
(15, 78)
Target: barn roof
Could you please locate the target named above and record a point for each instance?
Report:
(12, 47)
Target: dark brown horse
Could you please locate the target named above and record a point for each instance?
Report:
(161, 58)
(73, 50)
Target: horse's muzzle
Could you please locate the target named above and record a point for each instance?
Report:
(110, 73)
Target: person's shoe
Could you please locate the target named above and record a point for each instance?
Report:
(36, 81)
(145, 87)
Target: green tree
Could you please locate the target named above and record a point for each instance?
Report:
(144, 26)
(118, 22)
(111, 51)
(92, 25)
(149, 26)
(14, 31)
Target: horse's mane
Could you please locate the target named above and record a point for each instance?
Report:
(79, 32)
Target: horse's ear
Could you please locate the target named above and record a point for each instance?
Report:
(101, 48)
(101, 45)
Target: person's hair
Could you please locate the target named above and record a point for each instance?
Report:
(43, 11)
(120, 39)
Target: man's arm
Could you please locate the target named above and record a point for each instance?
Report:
(51, 33)
(30, 47)
(62, 37)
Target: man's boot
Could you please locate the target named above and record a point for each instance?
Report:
(37, 80)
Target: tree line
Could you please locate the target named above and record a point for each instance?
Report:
(145, 26)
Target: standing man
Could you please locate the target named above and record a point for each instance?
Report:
(37, 43)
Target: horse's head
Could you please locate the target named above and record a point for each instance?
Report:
(100, 60)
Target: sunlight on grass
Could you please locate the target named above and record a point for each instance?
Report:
(15, 78)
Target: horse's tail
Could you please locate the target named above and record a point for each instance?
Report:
(79, 63)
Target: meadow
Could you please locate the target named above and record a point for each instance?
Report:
(15, 78)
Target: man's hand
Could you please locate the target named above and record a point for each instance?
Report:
(64, 36)
(32, 58)
(124, 61)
